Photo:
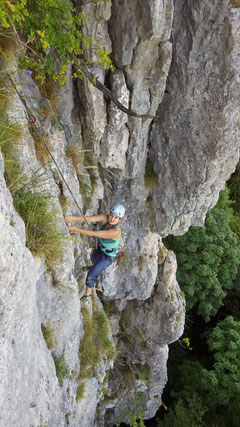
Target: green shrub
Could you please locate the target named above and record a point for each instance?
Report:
(135, 414)
(50, 27)
(96, 342)
(8, 132)
(10, 144)
(61, 369)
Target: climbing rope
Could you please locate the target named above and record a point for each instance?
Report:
(32, 121)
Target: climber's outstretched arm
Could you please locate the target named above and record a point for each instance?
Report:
(93, 218)
(112, 233)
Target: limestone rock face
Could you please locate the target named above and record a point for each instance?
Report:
(27, 374)
(199, 113)
(179, 61)
(145, 330)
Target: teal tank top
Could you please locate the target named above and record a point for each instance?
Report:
(109, 243)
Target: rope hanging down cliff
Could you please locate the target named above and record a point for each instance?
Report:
(99, 86)
(32, 121)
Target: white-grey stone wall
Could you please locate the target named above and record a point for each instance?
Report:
(179, 60)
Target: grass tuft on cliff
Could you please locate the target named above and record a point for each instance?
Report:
(61, 369)
(48, 333)
(96, 343)
(150, 177)
(42, 235)
(235, 3)
(76, 154)
(80, 392)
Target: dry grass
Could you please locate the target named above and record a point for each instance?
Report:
(10, 144)
(48, 90)
(41, 151)
(48, 335)
(42, 235)
(150, 177)
(76, 154)
(7, 42)
(44, 110)
(235, 3)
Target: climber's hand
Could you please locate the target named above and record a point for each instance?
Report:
(69, 219)
(72, 227)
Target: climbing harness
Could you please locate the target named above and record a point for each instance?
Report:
(32, 121)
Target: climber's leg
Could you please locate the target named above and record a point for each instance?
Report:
(102, 261)
(96, 254)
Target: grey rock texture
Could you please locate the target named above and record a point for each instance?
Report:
(177, 60)
(145, 329)
(27, 373)
(195, 145)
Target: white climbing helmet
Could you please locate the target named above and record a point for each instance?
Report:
(118, 210)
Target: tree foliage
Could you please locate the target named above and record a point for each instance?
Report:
(208, 259)
(234, 187)
(217, 387)
(208, 263)
(188, 413)
(49, 30)
(222, 383)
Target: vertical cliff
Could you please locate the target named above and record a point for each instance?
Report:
(179, 61)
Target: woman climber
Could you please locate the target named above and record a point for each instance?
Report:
(108, 241)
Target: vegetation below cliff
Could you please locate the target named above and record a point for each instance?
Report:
(179, 61)
(204, 378)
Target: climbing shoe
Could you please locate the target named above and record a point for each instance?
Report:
(84, 298)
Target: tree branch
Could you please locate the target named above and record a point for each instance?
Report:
(110, 95)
